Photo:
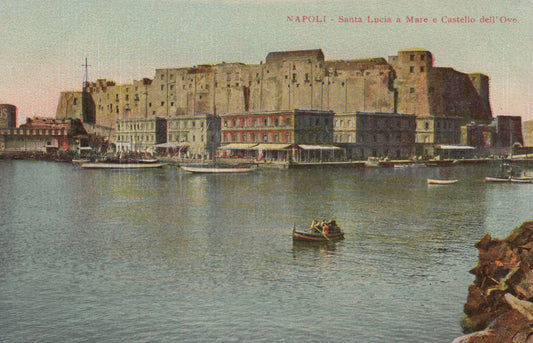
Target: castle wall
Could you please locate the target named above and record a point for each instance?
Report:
(70, 105)
(407, 83)
(412, 68)
(452, 94)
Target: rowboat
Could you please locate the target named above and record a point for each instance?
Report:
(319, 232)
(218, 168)
(316, 237)
(442, 182)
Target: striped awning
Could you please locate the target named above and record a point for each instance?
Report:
(238, 146)
(171, 145)
(272, 146)
(318, 147)
(455, 147)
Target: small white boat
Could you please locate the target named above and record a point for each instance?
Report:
(218, 168)
(81, 160)
(442, 182)
(111, 165)
(521, 180)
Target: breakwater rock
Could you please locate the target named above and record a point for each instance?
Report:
(499, 303)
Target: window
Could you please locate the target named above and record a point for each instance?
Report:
(412, 57)
(421, 69)
(162, 87)
(422, 57)
(411, 90)
(412, 69)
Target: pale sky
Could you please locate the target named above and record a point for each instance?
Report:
(43, 44)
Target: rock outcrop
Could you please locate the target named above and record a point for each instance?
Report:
(499, 300)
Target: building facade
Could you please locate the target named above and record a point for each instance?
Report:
(276, 133)
(434, 130)
(140, 134)
(375, 134)
(194, 135)
(278, 127)
(509, 130)
(44, 135)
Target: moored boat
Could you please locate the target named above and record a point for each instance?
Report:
(81, 160)
(506, 173)
(325, 231)
(218, 168)
(497, 179)
(442, 182)
(118, 165)
(521, 180)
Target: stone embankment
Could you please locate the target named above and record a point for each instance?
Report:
(499, 303)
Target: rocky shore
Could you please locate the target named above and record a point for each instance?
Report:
(499, 307)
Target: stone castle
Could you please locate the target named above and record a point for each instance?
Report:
(406, 83)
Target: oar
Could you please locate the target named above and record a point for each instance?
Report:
(323, 234)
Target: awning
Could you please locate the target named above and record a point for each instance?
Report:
(238, 146)
(455, 147)
(171, 145)
(318, 147)
(266, 146)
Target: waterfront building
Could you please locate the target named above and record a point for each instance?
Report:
(194, 135)
(480, 136)
(375, 134)
(45, 135)
(509, 130)
(432, 131)
(527, 130)
(140, 134)
(276, 134)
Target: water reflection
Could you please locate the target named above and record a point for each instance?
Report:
(216, 251)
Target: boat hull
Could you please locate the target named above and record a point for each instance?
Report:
(316, 237)
(97, 165)
(217, 169)
(497, 179)
(522, 180)
(441, 182)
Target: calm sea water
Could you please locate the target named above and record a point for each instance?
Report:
(165, 256)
